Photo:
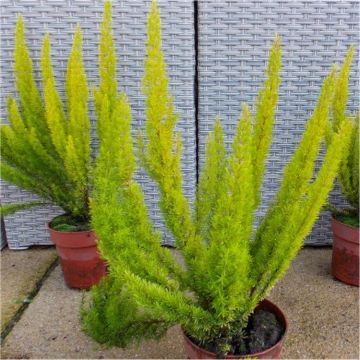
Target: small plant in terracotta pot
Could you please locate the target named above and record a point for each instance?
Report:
(345, 221)
(46, 149)
(218, 294)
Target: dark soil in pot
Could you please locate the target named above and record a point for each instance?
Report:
(351, 220)
(264, 330)
(67, 223)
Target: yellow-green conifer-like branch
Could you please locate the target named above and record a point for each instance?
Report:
(77, 100)
(107, 57)
(348, 175)
(18, 142)
(27, 164)
(77, 152)
(160, 112)
(119, 198)
(115, 141)
(178, 307)
(53, 105)
(295, 183)
(25, 83)
(242, 173)
(304, 213)
(22, 148)
(231, 227)
(15, 176)
(354, 160)
(270, 239)
(211, 180)
(341, 90)
(349, 169)
(265, 114)
(31, 104)
(114, 184)
(163, 153)
(15, 118)
(75, 172)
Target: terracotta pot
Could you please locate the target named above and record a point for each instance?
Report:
(79, 258)
(195, 352)
(345, 255)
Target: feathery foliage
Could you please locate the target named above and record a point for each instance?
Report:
(113, 316)
(225, 273)
(46, 148)
(9, 209)
(348, 174)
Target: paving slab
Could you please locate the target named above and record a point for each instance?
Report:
(21, 270)
(323, 315)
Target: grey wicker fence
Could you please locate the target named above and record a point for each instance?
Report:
(233, 39)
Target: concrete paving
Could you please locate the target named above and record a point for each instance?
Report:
(322, 312)
(20, 273)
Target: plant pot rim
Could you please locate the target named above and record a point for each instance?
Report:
(253, 355)
(333, 218)
(73, 239)
(67, 232)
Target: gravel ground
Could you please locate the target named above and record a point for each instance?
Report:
(21, 270)
(322, 312)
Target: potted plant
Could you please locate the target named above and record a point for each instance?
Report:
(345, 221)
(46, 149)
(218, 294)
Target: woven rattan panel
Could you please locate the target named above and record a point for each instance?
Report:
(234, 38)
(59, 18)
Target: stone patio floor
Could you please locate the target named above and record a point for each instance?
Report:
(323, 313)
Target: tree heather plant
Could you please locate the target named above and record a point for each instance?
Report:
(46, 149)
(348, 174)
(226, 274)
(24, 134)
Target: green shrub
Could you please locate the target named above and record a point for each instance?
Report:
(225, 273)
(46, 149)
(348, 174)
